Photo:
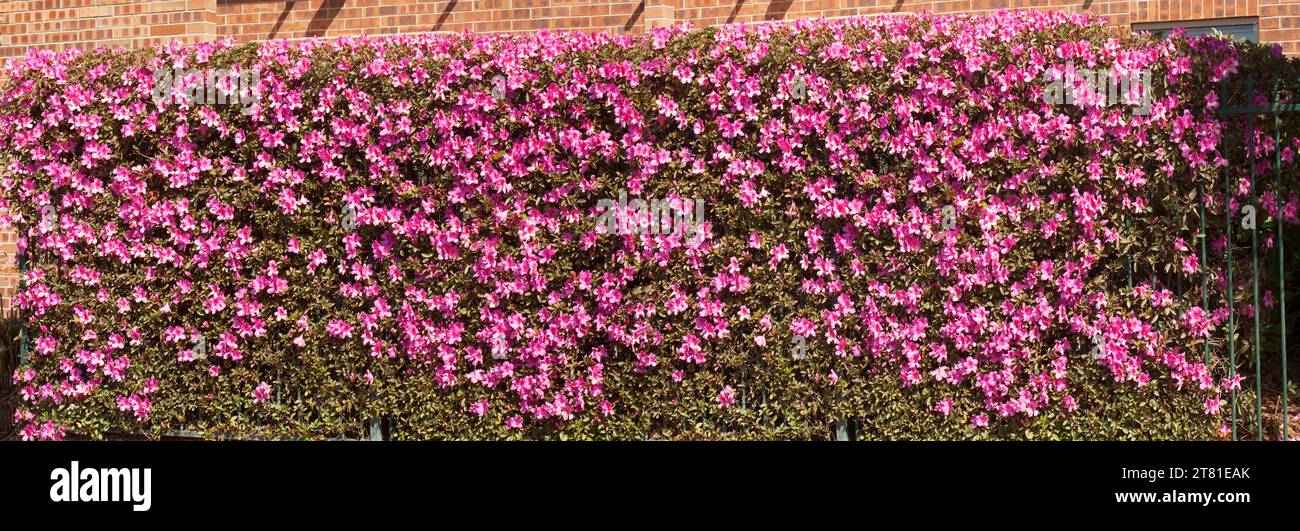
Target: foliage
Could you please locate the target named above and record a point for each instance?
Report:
(475, 298)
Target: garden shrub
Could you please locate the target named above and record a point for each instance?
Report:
(411, 228)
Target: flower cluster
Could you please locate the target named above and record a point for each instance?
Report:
(387, 232)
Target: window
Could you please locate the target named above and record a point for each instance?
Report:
(1245, 28)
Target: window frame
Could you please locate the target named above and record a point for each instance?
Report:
(1162, 29)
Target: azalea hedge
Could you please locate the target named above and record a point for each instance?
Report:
(896, 229)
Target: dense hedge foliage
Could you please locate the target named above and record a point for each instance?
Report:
(392, 232)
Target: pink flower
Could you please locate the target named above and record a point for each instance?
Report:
(1197, 322)
(463, 261)
(138, 404)
(944, 407)
(727, 397)
(1212, 405)
(803, 327)
(262, 393)
(1233, 383)
(339, 328)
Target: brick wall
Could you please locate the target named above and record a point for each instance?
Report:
(26, 24)
(258, 19)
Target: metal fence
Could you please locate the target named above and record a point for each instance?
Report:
(1241, 108)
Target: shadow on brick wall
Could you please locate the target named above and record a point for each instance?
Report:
(636, 15)
(776, 9)
(446, 12)
(9, 343)
(320, 22)
(735, 11)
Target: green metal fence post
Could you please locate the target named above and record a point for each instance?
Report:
(1281, 245)
(1205, 274)
(1229, 291)
(22, 326)
(1254, 257)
